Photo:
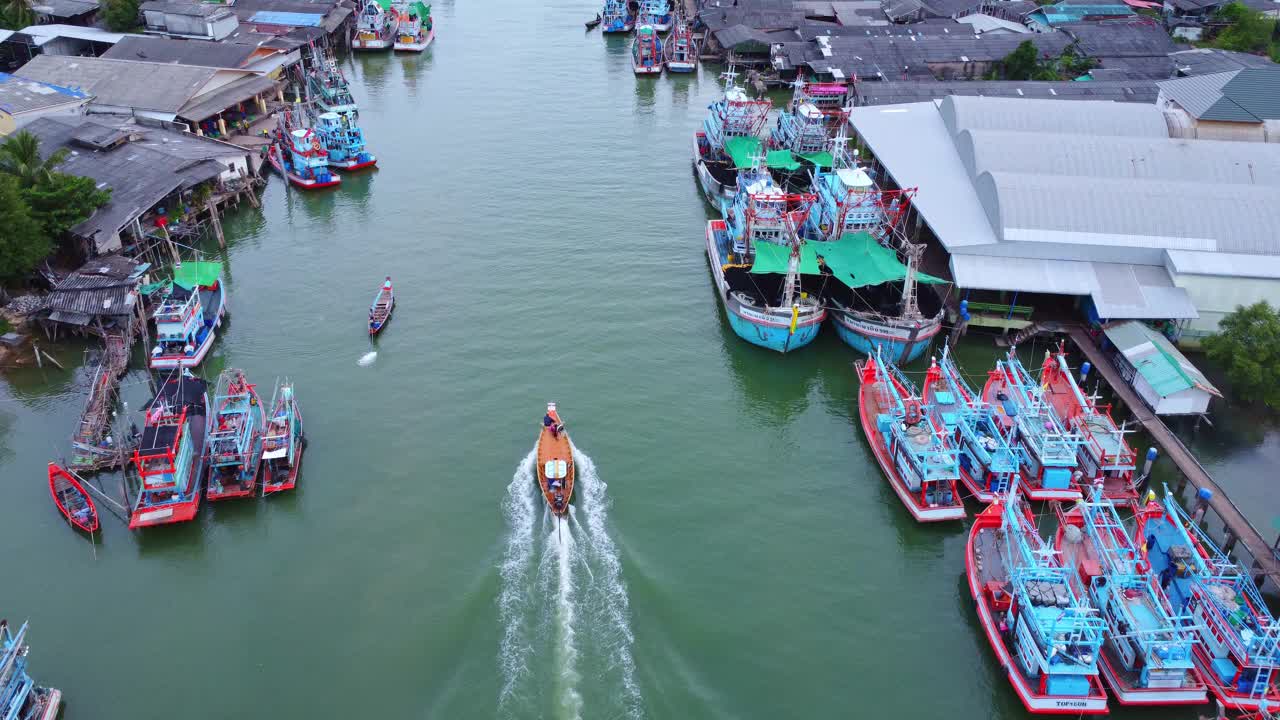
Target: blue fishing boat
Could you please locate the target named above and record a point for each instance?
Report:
(728, 140)
(656, 14)
(188, 315)
(619, 16)
(1045, 635)
(911, 445)
(681, 49)
(758, 263)
(1237, 649)
(234, 440)
(1049, 457)
(169, 459)
(646, 51)
(327, 86)
(805, 129)
(20, 697)
(282, 442)
(1147, 656)
(343, 141)
(848, 199)
(989, 462)
(300, 156)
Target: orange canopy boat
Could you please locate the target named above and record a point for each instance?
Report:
(555, 462)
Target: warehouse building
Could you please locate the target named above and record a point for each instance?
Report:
(1088, 207)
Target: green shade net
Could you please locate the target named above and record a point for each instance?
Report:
(384, 4)
(857, 260)
(771, 258)
(820, 159)
(781, 160)
(191, 275)
(422, 11)
(741, 150)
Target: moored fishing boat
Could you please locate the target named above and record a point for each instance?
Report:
(169, 458)
(72, 499)
(343, 142)
(415, 28)
(656, 14)
(1049, 449)
(20, 697)
(758, 263)
(1147, 656)
(282, 442)
(1105, 456)
(912, 448)
(555, 462)
(376, 26)
(646, 51)
(733, 122)
(299, 155)
(681, 50)
(1237, 648)
(1045, 637)
(989, 462)
(383, 303)
(327, 86)
(234, 440)
(619, 16)
(848, 199)
(188, 315)
(805, 130)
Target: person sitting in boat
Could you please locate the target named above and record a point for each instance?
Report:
(550, 422)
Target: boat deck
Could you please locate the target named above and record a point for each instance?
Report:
(988, 550)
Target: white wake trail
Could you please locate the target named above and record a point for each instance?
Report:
(569, 700)
(520, 508)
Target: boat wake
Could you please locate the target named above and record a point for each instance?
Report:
(368, 358)
(563, 605)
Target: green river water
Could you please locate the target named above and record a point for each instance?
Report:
(733, 552)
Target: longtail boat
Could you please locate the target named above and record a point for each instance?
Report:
(1045, 637)
(1147, 657)
(592, 24)
(555, 462)
(1049, 448)
(170, 454)
(235, 438)
(989, 460)
(1237, 649)
(282, 442)
(72, 500)
(1105, 456)
(383, 303)
(911, 446)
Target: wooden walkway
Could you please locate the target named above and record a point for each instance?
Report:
(1239, 527)
(89, 449)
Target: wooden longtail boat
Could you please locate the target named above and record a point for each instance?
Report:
(383, 303)
(72, 500)
(591, 24)
(555, 462)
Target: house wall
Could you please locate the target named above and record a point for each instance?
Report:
(71, 108)
(222, 27)
(183, 25)
(1216, 297)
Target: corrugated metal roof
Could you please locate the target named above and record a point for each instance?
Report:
(1204, 61)
(124, 83)
(19, 96)
(1156, 359)
(185, 52)
(1202, 97)
(1090, 118)
(888, 93)
(224, 97)
(1257, 90)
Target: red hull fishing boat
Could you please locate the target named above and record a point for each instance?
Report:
(555, 462)
(283, 443)
(235, 438)
(921, 464)
(383, 303)
(72, 500)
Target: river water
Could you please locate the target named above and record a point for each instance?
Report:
(733, 550)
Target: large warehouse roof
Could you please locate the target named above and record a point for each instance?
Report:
(1086, 198)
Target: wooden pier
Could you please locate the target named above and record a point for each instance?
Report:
(90, 450)
(1238, 529)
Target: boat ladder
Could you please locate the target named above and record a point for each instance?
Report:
(1002, 484)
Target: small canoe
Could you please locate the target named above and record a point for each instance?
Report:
(555, 462)
(591, 24)
(72, 500)
(383, 303)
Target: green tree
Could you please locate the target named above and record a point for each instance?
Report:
(20, 158)
(60, 201)
(22, 244)
(1248, 347)
(16, 14)
(121, 15)
(1249, 30)
(1022, 63)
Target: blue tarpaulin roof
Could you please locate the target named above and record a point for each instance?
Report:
(271, 17)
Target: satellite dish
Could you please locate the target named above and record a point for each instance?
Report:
(7, 123)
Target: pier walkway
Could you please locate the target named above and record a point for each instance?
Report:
(1237, 525)
(90, 450)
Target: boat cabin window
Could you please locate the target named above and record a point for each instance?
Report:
(556, 469)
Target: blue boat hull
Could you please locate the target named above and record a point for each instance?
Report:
(893, 342)
(779, 339)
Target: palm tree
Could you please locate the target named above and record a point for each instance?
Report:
(20, 157)
(16, 14)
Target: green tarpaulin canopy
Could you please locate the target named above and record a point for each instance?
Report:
(857, 260)
(821, 159)
(422, 11)
(191, 275)
(741, 150)
(781, 160)
(771, 258)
